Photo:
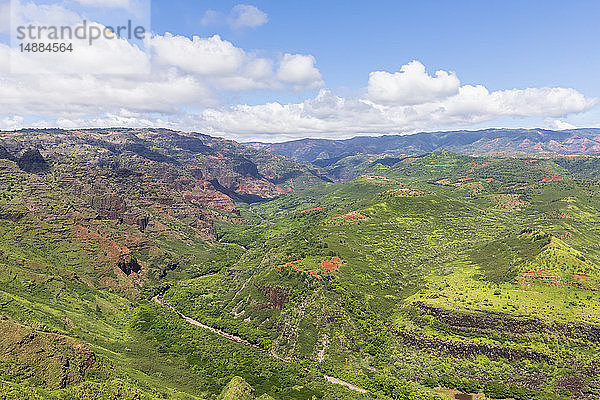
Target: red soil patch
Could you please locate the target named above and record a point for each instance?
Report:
(553, 179)
(292, 265)
(475, 165)
(566, 235)
(311, 209)
(489, 180)
(113, 250)
(550, 278)
(541, 276)
(328, 266)
(350, 216)
(332, 265)
(556, 214)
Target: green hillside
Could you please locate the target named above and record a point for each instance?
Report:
(443, 272)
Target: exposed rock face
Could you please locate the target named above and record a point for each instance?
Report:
(252, 187)
(141, 221)
(277, 296)
(207, 227)
(114, 207)
(32, 161)
(161, 182)
(471, 350)
(109, 206)
(129, 264)
(211, 198)
(5, 155)
(245, 167)
(480, 323)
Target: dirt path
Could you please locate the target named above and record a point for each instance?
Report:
(255, 213)
(161, 300)
(348, 385)
(207, 275)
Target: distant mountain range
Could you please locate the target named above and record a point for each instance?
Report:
(482, 142)
(347, 159)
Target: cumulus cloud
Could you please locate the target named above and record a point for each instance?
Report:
(175, 73)
(188, 78)
(230, 67)
(241, 16)
(561, 125)
(412, 85)
(11, 122)
(328, 115)
(203, 56)
(93, 51)
(247, 16)
(300, 71)
(184, 73)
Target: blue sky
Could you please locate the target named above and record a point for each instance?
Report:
(546, 50)
(502, 44)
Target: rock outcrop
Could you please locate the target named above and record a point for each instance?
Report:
(32, 161)
(129, 264)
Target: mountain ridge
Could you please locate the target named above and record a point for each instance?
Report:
(461, 141)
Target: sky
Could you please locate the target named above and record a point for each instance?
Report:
(278, 70)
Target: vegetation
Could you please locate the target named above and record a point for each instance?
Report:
(476, 274)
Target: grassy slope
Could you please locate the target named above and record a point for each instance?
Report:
(432, 246)
(408, 250)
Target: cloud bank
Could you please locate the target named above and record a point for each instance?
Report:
(191, 81)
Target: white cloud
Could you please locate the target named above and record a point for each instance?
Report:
(328, 115)
(115, 56)
(300, 71)
(230, 67)
(94, 56)
(43, 14)
(126, 4)
(241, 16)
(247, 16)
(182, 74)
(211, 17)
(11, 123)
(203, 56)
(561, 125)
(188, 78)
(412, 85)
